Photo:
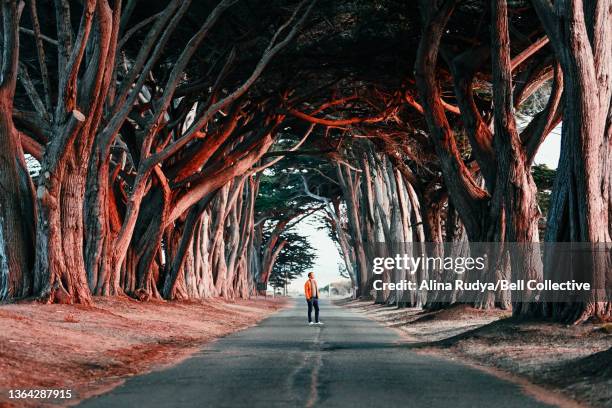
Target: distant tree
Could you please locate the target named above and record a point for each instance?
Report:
(544, 178)
(294, 260)
(342, 271)
(281, 204)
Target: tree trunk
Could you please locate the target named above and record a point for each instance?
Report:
(350, 195)
(515, 187)
(60, 275)
(580, 202)
(100, 234)
(186, 246)
(16, 207)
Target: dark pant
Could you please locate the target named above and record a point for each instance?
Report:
(314, 302)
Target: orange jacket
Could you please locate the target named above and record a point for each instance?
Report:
(308, 289)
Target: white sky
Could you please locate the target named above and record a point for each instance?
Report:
(326, 264)
(549, 150)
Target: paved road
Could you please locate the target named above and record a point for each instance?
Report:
(351, 361)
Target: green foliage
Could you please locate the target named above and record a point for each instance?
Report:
(281, 188)
(296, 259)
(544, 178)
(537, 101)
(282, 196)
(277, 195)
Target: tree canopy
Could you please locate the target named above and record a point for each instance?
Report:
(180, 141)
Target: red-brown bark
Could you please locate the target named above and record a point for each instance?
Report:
(515, 189)
(580, 206)
(60, 274)
(15, 197)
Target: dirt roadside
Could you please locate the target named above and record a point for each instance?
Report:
(91, 349)
(573, 360)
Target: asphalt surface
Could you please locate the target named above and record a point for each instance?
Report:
(351, 361)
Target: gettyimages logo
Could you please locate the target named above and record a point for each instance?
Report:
(459, 264)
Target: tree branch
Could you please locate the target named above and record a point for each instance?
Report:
(543, 123)
(528, 52)
(31, 91)
(464, 190)
(67, 96)
(137, 27)
(271, 51)
(40, 50)
(339, 122)
(11, 14)
(293, 149)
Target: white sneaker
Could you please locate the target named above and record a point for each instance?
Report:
(319, 323)
(311, 323)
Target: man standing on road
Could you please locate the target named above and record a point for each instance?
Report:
(311, 290)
